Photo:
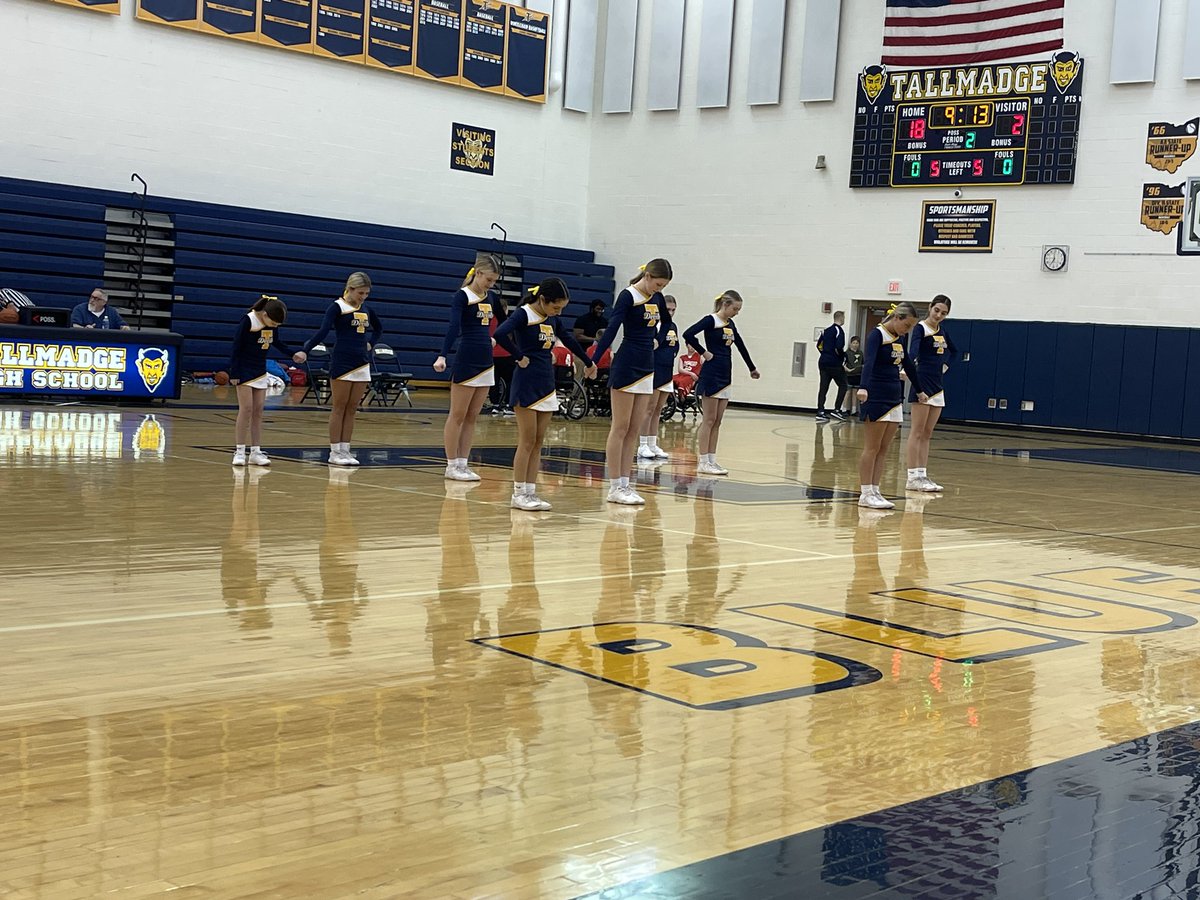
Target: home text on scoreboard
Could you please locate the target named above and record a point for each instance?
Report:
(1015, 123)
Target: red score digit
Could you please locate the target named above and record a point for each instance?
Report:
(916, 129)
(1018, 123)
(977, 167)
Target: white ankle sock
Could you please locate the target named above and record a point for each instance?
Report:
(256, 449)
(240, 448)
(530, 488)
(518, 488)
(864, 490)
(614, 484)
(653, 439)
(335, 448)
(623, 481)
(921, 472)
(914, 473)
(643, 441)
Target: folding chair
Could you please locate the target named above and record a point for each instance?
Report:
(388, 383)
(316, 368)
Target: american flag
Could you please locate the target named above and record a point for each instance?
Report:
(965, 32)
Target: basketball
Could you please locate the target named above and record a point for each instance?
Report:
(221, 378)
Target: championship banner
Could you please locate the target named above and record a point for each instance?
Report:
(341, 30)
(483, 45)
(390, 35)
(488, 45)
(1169, 146)
(89, 367)
(230, 18)
(439, 40)
(287, 24)
(525, 54)
(1162, 206)
(180, 13)
(105, 6)
(473, 149)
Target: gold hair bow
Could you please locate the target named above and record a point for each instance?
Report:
(533, 291)
(268, 297)
(891, 310)
(720, 296)
(642, 268)
(471, 272)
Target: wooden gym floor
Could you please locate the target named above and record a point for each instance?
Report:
(321, 684)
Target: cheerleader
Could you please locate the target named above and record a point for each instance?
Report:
(474, 372)
(636, 314)
(882, 398)
(256, 334)
(717, 373)
(665, 352)
(528, 334)
(350, 362)
(933, 352)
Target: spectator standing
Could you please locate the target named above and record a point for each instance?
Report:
(854, 369)
(832, 346)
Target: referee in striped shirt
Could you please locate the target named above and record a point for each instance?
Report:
(11, 302)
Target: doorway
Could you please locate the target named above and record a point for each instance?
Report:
(869, 313)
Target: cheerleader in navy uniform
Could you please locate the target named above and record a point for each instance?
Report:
(528, 334)
(257, 333)
(934, 352)
(474, 372)
(720, 334)
(882, 398)
(665, 351)
(357, 330)
(636, 314)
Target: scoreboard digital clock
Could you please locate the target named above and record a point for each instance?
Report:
(961, 143)
(980, 125)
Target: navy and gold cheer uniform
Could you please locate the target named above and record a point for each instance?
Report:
(665, 352)
(251, 344)
(354, 330)
(527, 333)
(470, 324)
(632, 367)
(720, 335)
(931, 351)
(884, 355)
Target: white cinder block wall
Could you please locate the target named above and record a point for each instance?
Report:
(732, 198)
(89, 98)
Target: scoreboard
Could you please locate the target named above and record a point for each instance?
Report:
(978, 125)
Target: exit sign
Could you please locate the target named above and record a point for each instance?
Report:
(894, 287)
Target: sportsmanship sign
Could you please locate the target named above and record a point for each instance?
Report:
(961, 226)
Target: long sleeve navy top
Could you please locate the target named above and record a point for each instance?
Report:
(720, 335)
(354, 330)
(884, 355)
(252, 342)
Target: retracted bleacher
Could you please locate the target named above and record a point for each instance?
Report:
(52, 246)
